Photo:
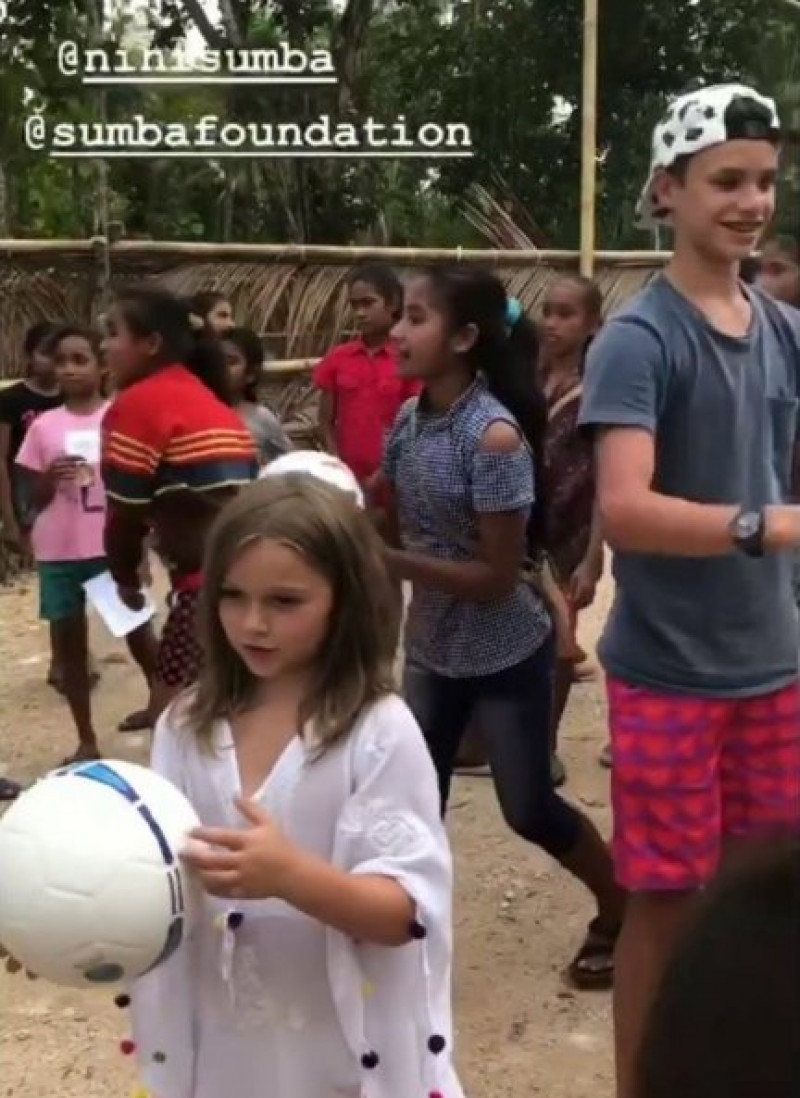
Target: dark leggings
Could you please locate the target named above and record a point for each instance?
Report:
(512, 709)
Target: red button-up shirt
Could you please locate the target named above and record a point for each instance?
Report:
(368, 393)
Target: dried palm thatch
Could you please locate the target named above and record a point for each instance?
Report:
(501, 218)
(295, 297)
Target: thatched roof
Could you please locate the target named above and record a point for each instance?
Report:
(294, 296)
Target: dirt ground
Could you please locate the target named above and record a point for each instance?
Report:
(520, 1031)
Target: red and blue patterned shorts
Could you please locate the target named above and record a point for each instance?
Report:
(691, 772)
(180, 653)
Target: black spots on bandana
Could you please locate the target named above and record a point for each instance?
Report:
(694, 133)
(687, 106)
(710, 112)
(668, 138)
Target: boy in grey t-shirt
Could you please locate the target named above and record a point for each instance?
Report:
(693, 393)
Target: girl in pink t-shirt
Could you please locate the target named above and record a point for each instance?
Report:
(61, 453)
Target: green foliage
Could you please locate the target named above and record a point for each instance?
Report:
(510, 69)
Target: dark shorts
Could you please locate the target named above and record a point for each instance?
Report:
(180, 654)
(61, 593)
(691, 772)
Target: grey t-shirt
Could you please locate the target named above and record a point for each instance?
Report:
(723, 412)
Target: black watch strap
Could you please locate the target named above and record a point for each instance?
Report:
(747, 532)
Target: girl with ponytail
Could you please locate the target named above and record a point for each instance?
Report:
(479, 642)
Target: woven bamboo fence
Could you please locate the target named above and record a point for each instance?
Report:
(293, 296)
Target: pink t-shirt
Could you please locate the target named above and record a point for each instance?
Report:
(71, 526)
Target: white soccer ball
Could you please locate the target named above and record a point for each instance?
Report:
(316, 464)
(92, 889)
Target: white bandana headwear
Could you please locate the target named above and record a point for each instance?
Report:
(697, 121)
(316, 464)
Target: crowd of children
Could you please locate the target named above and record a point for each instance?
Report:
(497, 462)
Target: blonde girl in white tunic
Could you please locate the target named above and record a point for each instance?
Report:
(320, 966)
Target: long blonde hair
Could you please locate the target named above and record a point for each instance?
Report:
(338, 540)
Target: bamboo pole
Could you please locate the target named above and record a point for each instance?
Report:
(279, 367)
(589, 138)
(320, 254)
(283, 368)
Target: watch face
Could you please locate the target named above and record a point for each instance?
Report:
(748, 525)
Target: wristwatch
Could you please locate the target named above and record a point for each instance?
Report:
(747, 533)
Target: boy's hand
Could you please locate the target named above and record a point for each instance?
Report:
(252, 864)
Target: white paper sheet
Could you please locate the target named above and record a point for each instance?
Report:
(117, 617)
(83, 444)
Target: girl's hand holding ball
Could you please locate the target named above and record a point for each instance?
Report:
(253, 864)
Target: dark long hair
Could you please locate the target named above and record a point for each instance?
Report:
(38, 336)
(202, 303)
(81, 331)
(249, 347)
(505, 354)
(156, 312)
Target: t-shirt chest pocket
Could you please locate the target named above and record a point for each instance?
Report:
(782, 411)
(351, 377)
(388, 383)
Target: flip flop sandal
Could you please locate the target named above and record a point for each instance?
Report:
(9, 791)
(139, 721)
(592, 968)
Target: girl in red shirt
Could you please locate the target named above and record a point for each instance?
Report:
(362, 390)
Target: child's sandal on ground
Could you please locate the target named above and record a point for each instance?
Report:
(9, 791)
(140, 721)
(83, 754)
(592, 968)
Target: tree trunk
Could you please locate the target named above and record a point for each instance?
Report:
(5, 231)
(227, 204)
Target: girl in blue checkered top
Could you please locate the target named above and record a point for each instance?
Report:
(479, 640)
